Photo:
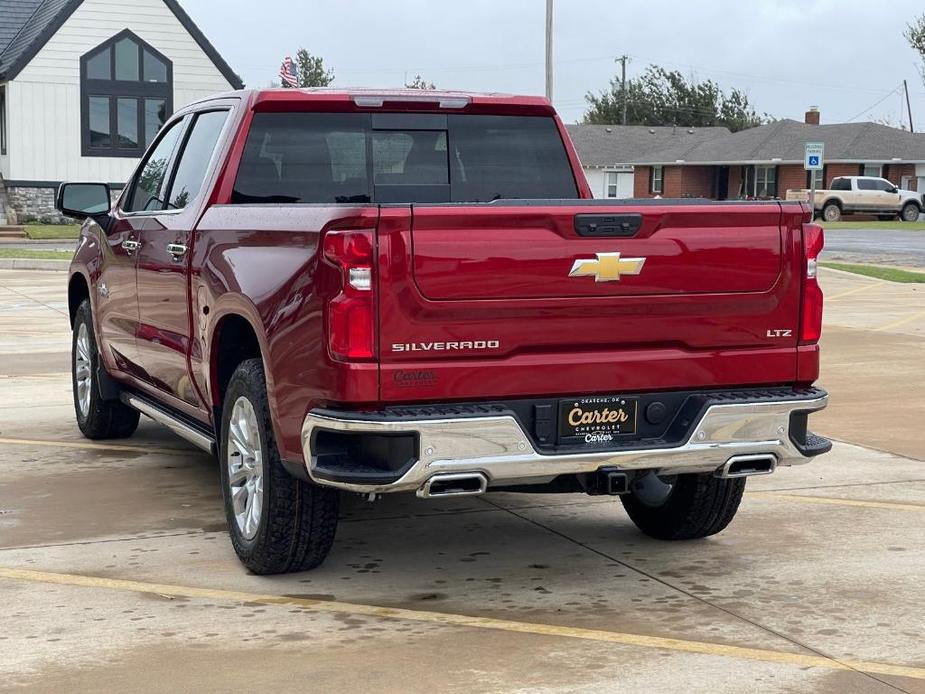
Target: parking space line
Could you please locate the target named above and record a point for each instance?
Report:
(116, 447)
(901, 321)
(849, 292)
(892, 505)
(460, 620)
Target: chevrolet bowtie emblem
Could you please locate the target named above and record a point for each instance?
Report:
(607, 268)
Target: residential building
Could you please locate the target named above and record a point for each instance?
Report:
(760, 162)
(610, 153)
(85, 85)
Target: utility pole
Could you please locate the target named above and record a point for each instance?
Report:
(908, 106)
(622, 59)
(549, 50)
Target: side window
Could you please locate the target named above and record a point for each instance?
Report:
(867, 184)
(147, 187)
(657, 178)
(841, 184)
(194, 161)
(884, 185)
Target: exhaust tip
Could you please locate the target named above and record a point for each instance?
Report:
(455, 484)
(747, 466)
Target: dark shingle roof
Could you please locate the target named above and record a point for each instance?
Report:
(610, 145)
(38, 21)
(783, 140)
(780, 141)
(26, 25)
(13, 16)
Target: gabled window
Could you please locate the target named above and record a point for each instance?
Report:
(126, 94)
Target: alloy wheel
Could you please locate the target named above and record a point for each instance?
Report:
(83, 373)
(245, 467)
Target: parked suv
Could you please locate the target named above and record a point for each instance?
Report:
(864, 195)
(379, 292)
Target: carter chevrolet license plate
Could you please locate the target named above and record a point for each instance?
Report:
(596, 419)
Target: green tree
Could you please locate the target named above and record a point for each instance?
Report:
(311, 71)
(663, 97)
(420, 83)
(915, 35)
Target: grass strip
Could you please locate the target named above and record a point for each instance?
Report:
(881, 273)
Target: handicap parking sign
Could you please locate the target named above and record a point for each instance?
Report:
(813, 153)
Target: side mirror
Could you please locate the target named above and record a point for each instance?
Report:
(82, 200)
(894, 189)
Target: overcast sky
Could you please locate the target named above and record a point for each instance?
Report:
(841, 55)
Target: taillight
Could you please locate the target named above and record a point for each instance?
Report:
(351, 313)
(811, 314)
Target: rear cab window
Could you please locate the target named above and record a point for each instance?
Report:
(401, 158)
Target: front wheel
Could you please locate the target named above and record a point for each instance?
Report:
(683, 507)
(96, 418)
(831, 212)
(277, 523)
(910, 212)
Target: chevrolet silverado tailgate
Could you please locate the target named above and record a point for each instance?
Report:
(519, 298)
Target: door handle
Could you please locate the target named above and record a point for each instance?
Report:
(176, 250)
(130, 245)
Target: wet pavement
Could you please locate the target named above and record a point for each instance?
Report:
(117, 575)
(875, 246)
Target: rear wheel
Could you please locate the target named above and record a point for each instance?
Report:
(277, 523)
(96, 418)
(683, 507)
(910, 212)
(831, 212)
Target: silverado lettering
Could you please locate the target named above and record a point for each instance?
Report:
(257, 284)
(444, 346)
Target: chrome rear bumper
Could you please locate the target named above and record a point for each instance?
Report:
(496, 446)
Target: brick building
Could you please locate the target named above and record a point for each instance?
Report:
(762, 162)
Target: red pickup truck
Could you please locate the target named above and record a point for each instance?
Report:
(408, 291)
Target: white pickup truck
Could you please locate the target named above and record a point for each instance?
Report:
(863, 195)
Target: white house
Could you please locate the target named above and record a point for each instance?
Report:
(85, 85)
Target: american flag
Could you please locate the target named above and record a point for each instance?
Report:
(287, 72)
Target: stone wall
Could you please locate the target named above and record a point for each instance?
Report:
(33, 205)
(26, 204)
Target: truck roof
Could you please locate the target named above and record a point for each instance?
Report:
(347, 99)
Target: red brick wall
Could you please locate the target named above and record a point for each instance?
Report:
(894, 174)
(836, 170)
(790, 177)
(673, 182)
(697, 181)
(641, 182)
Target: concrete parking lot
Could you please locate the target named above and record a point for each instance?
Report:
(116, 573)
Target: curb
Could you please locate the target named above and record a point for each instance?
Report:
(34, 264)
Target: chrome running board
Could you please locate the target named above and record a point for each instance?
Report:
(172, 422)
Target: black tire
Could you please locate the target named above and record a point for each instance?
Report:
(96, 418)
(698, 506)
(831, 212)
(297, 519)
(910, 212)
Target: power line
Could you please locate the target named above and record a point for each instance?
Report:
(876, 104)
